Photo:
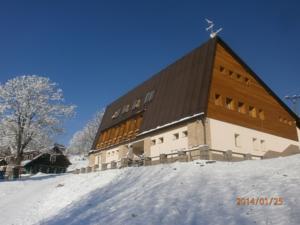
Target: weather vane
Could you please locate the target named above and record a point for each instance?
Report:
(211, 28)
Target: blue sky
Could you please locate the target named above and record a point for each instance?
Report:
(98, 50)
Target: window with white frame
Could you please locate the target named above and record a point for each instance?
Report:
(160, 140)
(153, 142)
(184, 133)
(237, 140)
(175, 136)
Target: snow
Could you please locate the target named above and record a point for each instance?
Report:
(78, 161)
(171, 123)
(25, 162)
(175, 194)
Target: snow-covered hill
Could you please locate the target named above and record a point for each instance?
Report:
(179, 193)
(78, 161)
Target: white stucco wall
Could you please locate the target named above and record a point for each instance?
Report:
(223, 138)
(170, 144)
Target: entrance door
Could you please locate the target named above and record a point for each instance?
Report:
(98, 159)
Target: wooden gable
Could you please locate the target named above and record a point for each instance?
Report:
(238, 96)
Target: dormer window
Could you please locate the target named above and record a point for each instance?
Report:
(136, 104)
(149, 96)
(125, 108)
(116, 114)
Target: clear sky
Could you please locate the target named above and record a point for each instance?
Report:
(98, 50)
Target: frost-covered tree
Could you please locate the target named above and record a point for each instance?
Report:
(32, 110)
(82, 140)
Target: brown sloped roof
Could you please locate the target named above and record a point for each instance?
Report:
(186, 79)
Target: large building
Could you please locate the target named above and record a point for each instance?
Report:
(209, 97)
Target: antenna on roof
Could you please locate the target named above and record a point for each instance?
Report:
(211, 28)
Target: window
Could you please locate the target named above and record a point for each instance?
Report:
(153, 142)
(149, 96)
(255, 143)
(262, 145)
(52, 158)
(261, 114)
(237, 140)
(252, 111)
(222, 69)
(218, 99)
(229, 103)
(176, 136)
(125, 109)
(230, 72)
(241, 107)
(136, 104)
(116, 114)
(160, 140)
(247, 81)
(184, 134)
(238, 76)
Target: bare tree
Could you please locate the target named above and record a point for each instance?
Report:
(32, 110)
(82, 140)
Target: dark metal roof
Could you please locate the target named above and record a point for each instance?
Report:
(181, 90)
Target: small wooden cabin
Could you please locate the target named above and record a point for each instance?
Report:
(51, 161)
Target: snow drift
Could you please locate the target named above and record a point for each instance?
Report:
(181, 193)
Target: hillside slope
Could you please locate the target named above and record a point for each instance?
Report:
(179, 193)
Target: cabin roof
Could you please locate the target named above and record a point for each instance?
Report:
(40, 159)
